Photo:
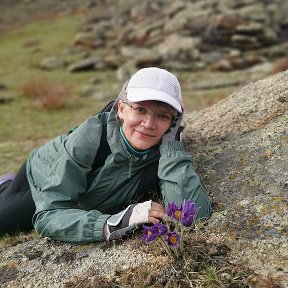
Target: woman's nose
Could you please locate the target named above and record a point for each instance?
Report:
(149, 121)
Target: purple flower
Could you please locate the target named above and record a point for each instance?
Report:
(189, 213)
(150, 234)
(172, 239)
(162, 229)
(174, 211)
(170, 208)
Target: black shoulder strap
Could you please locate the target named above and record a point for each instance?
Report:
(108, 107)
(103, 151)
(149, 188)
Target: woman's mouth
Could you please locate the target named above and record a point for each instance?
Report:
(145, 134)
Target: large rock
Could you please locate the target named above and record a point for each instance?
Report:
(46, 263)
(240, 147)
(240, 151)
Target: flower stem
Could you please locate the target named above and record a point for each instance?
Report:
(176, 252)
(181, 241)
(168, 250)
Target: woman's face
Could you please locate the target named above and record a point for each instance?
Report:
(144, 123)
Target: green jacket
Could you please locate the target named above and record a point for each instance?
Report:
(73, 206)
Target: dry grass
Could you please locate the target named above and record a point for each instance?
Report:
(51, 95)
(14, 239)
(280, 65)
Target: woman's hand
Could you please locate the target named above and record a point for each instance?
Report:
(170, 134)
(129, 219)
(156, 213)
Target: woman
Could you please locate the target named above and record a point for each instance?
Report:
(76, 204)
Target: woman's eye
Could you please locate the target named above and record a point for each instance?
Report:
(139, 109)
(163, 117)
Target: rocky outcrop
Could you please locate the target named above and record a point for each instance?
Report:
(240, 148)
(239, 145)
(185, 35)
(45, 263)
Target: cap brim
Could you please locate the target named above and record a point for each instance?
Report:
(138, 95)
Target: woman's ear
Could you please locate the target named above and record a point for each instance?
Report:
(120, 107)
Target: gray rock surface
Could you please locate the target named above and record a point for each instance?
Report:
(240, 148)
(47, 263)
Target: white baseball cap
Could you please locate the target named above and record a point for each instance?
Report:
(155, 84)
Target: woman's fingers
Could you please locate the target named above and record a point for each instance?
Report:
(156, 213)
(157, 207)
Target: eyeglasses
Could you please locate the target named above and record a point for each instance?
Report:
(141, 110)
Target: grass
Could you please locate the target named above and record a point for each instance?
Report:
(13, 239)
(50, 94)
(16, 59)
(24, 123)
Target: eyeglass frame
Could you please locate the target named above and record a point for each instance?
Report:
(175, 118)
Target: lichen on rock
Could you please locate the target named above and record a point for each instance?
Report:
(240, 148)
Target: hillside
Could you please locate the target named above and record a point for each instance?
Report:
(228, 56)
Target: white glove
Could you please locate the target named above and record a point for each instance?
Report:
(175, 130)
(127, 220)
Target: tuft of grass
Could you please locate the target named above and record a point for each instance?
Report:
(51, 95)
(15, 238)
(211, 277)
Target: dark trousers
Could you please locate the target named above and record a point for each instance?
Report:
(16, 204)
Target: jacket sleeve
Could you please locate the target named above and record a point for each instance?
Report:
(58, 215)
(178, 179)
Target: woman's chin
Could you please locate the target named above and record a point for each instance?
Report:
(143, 146)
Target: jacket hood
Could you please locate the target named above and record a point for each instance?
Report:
(113, 113)
(114, 137)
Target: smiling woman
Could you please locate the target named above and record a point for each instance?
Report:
(145, 122)
(73, 202)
